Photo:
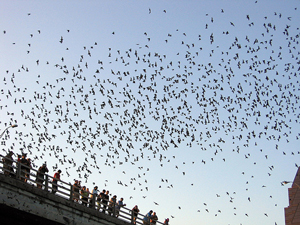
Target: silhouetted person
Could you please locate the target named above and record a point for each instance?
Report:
(40, 175)
(105, 201)
(135, 211)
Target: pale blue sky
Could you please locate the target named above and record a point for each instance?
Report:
(225, 71)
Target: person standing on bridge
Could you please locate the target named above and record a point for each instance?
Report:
(76, 188)
(100, 198)
(105, 201)
(56, 178)
(84, 196)
(112, 205)
(40, 175)
(93, 196)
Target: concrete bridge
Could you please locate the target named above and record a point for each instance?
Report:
(24, 203)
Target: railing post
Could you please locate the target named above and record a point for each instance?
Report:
(114, 209)
(132, 216)
(18, 175)
(71, 192)
(94, 201)
(46, 183)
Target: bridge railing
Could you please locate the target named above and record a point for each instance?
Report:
(17, 170)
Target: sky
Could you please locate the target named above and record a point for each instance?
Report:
(188, 108)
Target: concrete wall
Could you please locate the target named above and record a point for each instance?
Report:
(17, 196)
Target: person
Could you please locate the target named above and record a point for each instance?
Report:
(146, 219)
(27, 169)
(105, 201)
(84, 195)
(166, 221)
(100, 198)
(135, 211)
(23, 162)
(76, 188)
(56, 178)
(119, 205)
(18, 167)
(112, 205)
(93, 197)
(88, 194)
(40, 175)
(7, 164)
(19, 158)
(153, 218)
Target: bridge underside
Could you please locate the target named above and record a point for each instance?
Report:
(12, 216)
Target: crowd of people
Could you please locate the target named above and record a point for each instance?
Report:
(81, 194)
(24, 163)
(100, 200)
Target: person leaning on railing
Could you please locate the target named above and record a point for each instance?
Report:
(119, 205)
(153, 218)
(147, 217)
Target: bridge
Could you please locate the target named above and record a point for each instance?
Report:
(24, 203)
